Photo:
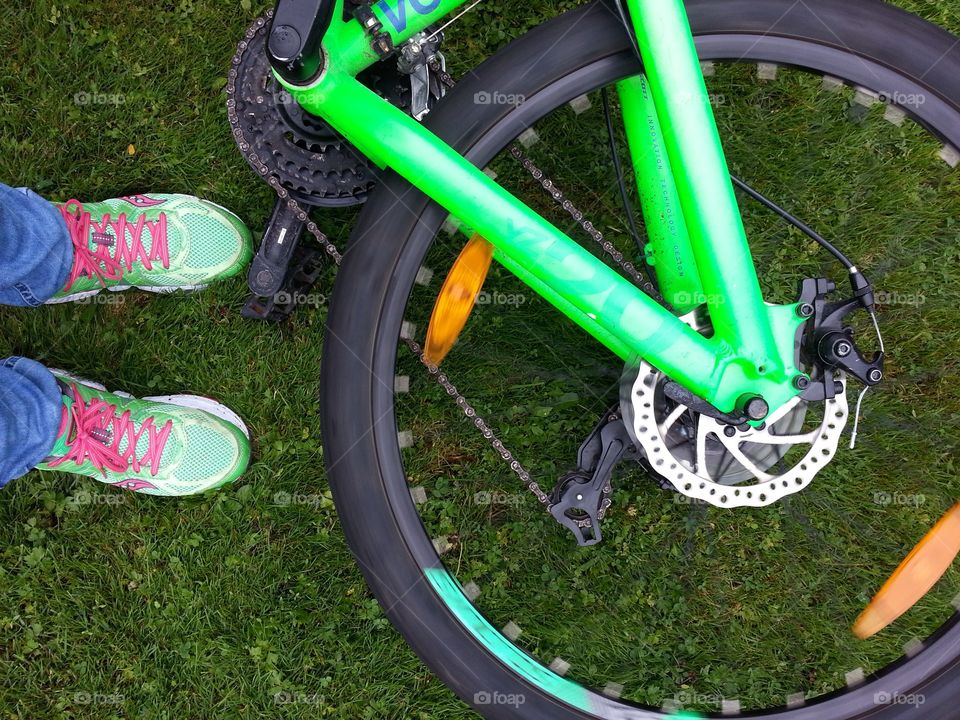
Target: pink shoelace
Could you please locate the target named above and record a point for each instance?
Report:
(109, 233)
(98, 432)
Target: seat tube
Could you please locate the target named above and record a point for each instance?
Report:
(702, 178)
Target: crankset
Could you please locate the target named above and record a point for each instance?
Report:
(300, 153)
(311, 161)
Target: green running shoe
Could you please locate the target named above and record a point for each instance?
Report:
(176, 445)
(157, 243)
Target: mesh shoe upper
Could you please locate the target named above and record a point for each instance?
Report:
(145, 446)
(155, 241)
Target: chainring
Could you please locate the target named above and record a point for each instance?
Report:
(703, 459)
(306, 155)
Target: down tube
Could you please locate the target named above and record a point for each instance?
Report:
(597, 298)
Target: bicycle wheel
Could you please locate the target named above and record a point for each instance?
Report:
(682, 608)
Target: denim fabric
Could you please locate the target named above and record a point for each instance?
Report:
(30, 410)
(36, 253)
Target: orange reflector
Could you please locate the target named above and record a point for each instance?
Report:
(925, 564)
(457, 297)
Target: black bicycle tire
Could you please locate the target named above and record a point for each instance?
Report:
(550, 66)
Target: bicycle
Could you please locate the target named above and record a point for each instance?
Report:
(722, 398)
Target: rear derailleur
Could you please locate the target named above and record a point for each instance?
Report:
(581, 497)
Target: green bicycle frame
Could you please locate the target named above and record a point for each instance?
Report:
(699, 245)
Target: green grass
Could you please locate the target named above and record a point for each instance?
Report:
(210, 606)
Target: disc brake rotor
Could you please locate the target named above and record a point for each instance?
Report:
(707, 460)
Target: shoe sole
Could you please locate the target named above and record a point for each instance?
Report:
(77, 297)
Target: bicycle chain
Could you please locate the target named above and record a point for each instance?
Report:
(440, 378)
(246, 148)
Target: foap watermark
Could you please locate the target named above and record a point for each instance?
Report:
(91, 498)
(285, 499)
(898, 498)
(93, 698)
(498, 298)
(103, 298)
(285, 97)
(713, 99)
(300, 299)
(84, 99)
(687, 698)
(496, 97)
(888, 698)
(680, 499)
(296, 698)
(295, 99)
(902, 99)
(514, 700)
(485, 497)
(892, 299)
(698, 298)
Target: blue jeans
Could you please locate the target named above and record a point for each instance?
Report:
(36, 256)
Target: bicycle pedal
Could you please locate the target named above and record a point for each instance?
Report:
(304, 269)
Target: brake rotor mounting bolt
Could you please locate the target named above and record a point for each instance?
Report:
(801, 382)
(730, 431)
(805, 310)
(875, 376)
